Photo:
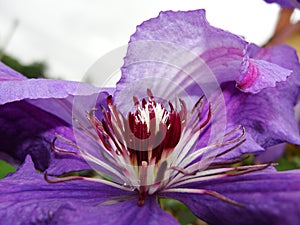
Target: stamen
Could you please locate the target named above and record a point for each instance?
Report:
(198, 104)
(61, 179)
(210, 174)
(151, 149)
(216, 145)
(206, 121)
(87, 131)
(116, 200)
(196, 112)
(149, 93)
(249, 169)
(92, 158)
(207, 192)
(109, 100)
(60, 150)
(135, 101)
(231, 148)
(183, 112)
(74, 178)
(228, 162)
(232, 132)
(207, 161)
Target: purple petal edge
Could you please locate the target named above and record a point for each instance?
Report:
(73, 202)
(267, 198)
(286, 3)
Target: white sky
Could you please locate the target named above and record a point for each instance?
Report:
(70, 35)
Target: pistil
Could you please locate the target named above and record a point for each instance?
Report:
(143, 183)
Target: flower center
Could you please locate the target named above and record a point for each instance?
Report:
(144, 140)
(151, 151)
(149, 134)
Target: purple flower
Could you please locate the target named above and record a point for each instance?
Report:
(177, 138)
(286, 3)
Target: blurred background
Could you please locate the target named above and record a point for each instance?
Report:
(62, 39)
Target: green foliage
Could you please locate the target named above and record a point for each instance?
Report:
(5, 168)
(32, 70)
(290, 160)
(179, 210)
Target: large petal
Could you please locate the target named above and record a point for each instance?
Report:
(15, 88)
(175, 51)
(267, 198)
(26, 129)
(268, 115)
(26, 198)
(179, 53)
(33, 110)
(6, 73)
(181, 50)
(54, 96)
(122, 213)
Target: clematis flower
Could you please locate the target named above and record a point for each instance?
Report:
(177, 138)
(286, 3)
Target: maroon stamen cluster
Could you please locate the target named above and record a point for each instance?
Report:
(149, 151)
(146, 134)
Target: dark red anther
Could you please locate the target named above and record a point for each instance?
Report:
(147, 134)
(135, 100)
(206, 121)
(149, 93)
(171, 107)
(109, 100)
(144, 103)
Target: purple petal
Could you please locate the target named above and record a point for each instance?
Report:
(31, 200)
(16, 90)
(22, 132)
(122, 213)
(60, 163)
(27, 129)
(267, 198)
(175, 46)
(156, 59)
(260, 74)
(16, 87)
(7, 73)
(274, 55)
(183, 44)
(54, 96)
(272, 154)
(33, 110)
(72, 106)
(286, 3)
(269, 115)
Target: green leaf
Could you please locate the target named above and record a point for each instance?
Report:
(290, 160)
(5, 168)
